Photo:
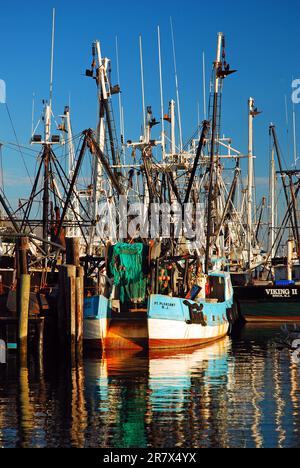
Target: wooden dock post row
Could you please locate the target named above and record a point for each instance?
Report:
(70, 303)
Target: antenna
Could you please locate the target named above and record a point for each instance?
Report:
(143, 87)
(118, 78)
(198, 118)
(177, 86)
(295, 137)
(52, 58)
(287, 125)
(123, 132)
(161, 95)
(32, 114)
(204, 85)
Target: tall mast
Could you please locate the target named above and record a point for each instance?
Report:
(217, 65)
(250, 180)
(204, 85)
(161, 96)
(221, 71)
(47, 145)
(143, 85)
(252, 113)
(283, 178)
(101, 66)
(172, 118)
(272, 204)
(74, 209)
(294, 137)
(177, 88)
(52, 58)
(121, 110)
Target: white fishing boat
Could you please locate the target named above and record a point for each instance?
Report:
(157, 321)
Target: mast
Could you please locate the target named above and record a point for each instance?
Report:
(161, 96)
(101, 67)
(250, 180)
(177, 88)
(143, 85)
(294, 137)
(47, 147)
(172, 118)
(74, 208)
(217, 65)
(283, 178)
(272, 205)
(204, 85)
(252, 113)
(221, 70)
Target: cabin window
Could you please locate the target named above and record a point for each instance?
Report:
(216, 288)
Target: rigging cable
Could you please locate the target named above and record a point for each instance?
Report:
(18, 144)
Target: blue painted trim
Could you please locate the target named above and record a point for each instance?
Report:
(171, 308)
(12, 346)
(95, 307)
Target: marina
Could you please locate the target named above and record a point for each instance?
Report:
(149, 277)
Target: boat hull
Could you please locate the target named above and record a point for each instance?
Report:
(173, 335)
(269, 303)
(127, 333)
(96, 321)
(178, 323)
(169, 323)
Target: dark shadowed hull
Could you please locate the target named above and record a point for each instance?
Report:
(269, 303)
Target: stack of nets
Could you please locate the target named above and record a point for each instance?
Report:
(128, 265)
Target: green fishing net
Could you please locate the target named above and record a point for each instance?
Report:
(127, 265)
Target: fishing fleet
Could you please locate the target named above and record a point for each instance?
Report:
(171, 243)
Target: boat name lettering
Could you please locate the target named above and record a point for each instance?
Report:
(164, 304)
(282, 292)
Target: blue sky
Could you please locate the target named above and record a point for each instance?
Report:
(262, 43)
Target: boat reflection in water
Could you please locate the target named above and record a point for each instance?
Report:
(238, 392)
(141, 395)
(235, 393)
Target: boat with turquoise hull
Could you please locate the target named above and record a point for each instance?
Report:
(166, 323)
(178, 323)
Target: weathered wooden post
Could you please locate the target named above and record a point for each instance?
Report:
(72, 251)
(61, 307)
(71, 297)
(23, 297)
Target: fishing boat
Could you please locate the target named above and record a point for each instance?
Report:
(179, 323)
(276, 300)
(269, 303)
(136, 318)
(180, 294)
(274, 296)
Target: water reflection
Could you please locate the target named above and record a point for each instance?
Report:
(242, 392)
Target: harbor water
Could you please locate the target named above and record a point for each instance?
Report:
(239, 392)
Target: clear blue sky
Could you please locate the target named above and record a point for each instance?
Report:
(262, 43)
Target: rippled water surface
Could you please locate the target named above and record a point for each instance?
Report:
(239, 392)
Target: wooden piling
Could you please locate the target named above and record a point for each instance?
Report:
(61, 325)
(67, 309)
(73, 251)
(71, 299)
(23, 313)
(22, 247)
(23, 297)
